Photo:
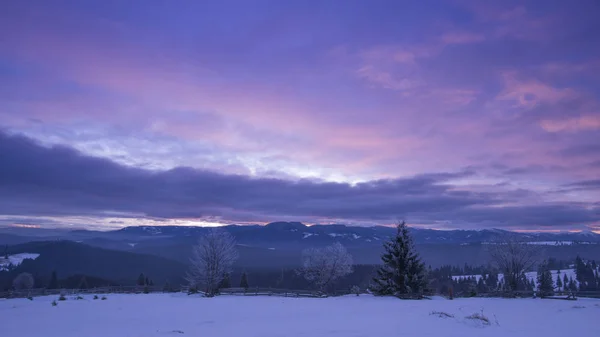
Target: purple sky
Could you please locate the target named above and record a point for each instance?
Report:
(449, 114)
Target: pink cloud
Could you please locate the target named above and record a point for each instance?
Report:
(385, 79)
(581, 123)
(531, 92)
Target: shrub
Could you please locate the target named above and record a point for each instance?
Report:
(103, 298)
(23, 281)
(30, 298)
(355, 290)
(78, 297)
(62, 298)
(441, 314)
(54, 303)
(479, 316)
(146, 290)
(95, 297)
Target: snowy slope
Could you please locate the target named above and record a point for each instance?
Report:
(16, 259)
(232, 316)
(531, 275)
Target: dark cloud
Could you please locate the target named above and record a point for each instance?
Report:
(581, 150)
(585, 185)
(56, 181)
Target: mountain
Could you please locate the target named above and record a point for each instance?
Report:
(279, 244)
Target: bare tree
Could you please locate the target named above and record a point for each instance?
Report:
(23, 281)
(322, 266)
(211, 259)
(513, 258)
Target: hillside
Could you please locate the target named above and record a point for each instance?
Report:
(69, 258)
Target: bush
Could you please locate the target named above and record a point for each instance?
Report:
(95, 297)
(30, 298)
(103, 298)
(54, 303)
(62, 298)
(441, 314)
(78, 297)
(146, 290)
(23, 281)
(479, 316)
(355, 290)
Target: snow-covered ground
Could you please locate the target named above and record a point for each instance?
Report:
(224, 316)
(16, 259)
(531, 276)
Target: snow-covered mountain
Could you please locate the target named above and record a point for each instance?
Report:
(296, 231)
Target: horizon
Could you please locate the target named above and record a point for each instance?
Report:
(215, 225)
(447, 114)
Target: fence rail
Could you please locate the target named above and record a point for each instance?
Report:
(266, 292)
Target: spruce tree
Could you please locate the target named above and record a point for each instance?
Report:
(565, 281)
(402, 271)
(83, 283)
(141, 280)
(225, 282)
(244, 281)
(53, 281)
(559, 283)
(544, 279)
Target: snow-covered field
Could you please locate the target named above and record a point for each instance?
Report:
(224, 316)
(16, 259)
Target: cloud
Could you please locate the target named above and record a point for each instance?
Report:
(531, 92)
(461, 37)
(581, 123)
(59, 181)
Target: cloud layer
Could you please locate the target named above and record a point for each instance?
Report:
(59, 181)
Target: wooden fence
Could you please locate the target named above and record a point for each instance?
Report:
(265, 292)
(151, 289)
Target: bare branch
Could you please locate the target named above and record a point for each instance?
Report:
(513, 258)
(211, 259)
(322, 266)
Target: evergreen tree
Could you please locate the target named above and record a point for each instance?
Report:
(402, 271)
(53, 281)
(141, 280)
(544, 280)
(572, 285)
(566, 281)
(244, 281)
(225, 282)
(559, 283)
(147, 281)
(167, 287)
(83, 283)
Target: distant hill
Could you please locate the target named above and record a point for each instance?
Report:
(279, 244)
(68, 258)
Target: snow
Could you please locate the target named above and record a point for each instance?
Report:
(225, 316)
(16, 259)
(133, 244)
(559, 243)
(306, 235)
(356, 236)
(335, 235)
(531, 275)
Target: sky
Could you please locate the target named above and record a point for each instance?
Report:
(447, 114)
